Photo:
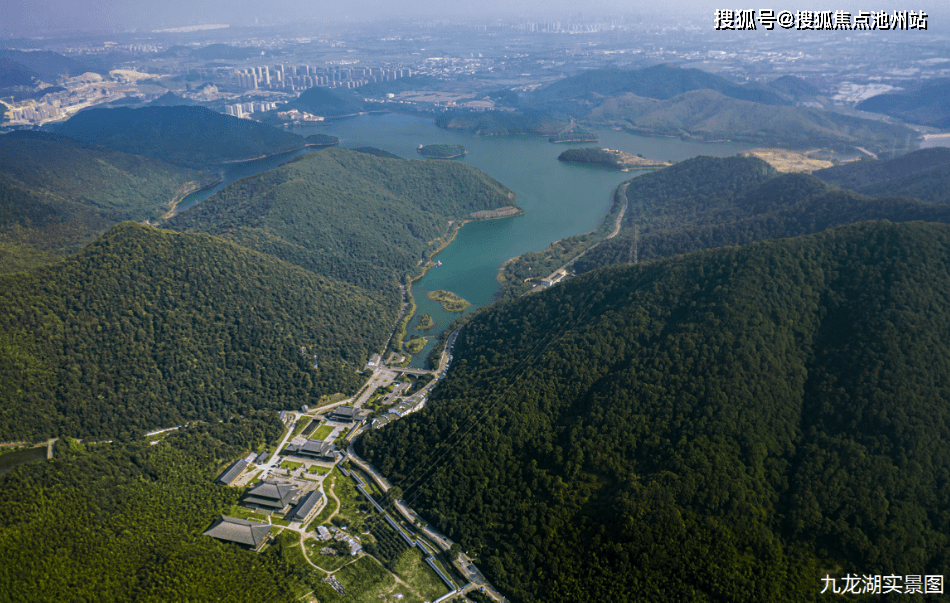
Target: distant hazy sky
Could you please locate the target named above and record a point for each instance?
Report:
(36, 17)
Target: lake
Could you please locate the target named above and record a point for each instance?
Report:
(560, 199)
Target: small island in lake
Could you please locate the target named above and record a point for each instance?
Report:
(615, 159)
(414, 346)
(322, 140)
(425, 322)
(441, 151)
(574, 135)
(450, 301)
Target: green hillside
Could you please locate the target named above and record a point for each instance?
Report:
(189, 136)
(927, 103)
(709, 115)
(363, 219)
(729, 425)
(659, 81)
(147, 328)
(327, 102)
(123, 522)
(499, 123)
(708, 202)
(57, 195)
(923, 174)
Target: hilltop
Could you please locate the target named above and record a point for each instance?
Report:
(620, 160)
(726, 425)
(495, 123)
(927, 103)
(659, 81)
(706, 202)
(183, 135)
(924, 174)
(709, 115)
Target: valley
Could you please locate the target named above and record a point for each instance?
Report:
(432, 310)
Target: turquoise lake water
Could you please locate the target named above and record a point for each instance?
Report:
(559, 199)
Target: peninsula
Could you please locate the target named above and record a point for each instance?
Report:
(441, 151)
(614, 159)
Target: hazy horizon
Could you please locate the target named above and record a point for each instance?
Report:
(32, 18)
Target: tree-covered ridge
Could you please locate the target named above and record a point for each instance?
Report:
(363, 219)
(923, 174)
(727, 425)
(189, 136)
(707, 202)
(56, 195)
(327, 102)
(620, 160)
(927, 104)
(709, 115)
(441, 151)
(148, 328)
(500, 123)
(659, 81)
(123, 522)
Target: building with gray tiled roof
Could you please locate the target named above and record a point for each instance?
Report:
(344, 414)
(227, 478)
(271, 496)
(314, 449)
(248, 534)
(305, 509)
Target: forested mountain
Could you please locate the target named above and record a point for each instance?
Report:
(708, 202)
(927, 104)
(57, 194)
(148, 328)
(123, 522)
(363, 219)
(923, 174)
(730, 425)
(189, 136)
(710, 115)
(21, 73)
(327, 102)
(659, 81)
(501, 123)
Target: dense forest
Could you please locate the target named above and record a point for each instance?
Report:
(729, 425)
(620, 160)
(57, 195)
(708, 202)
(360, 218)
(500, 123)
(710, 115)
(148, 328)
(927, 103)
(189, 136)
(659, 81)
(327, 102)
(923, 174)
(666, 100)
(123, 522)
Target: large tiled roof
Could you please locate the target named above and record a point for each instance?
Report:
(232, 472)
(240, 531)
(302, 510)
(310, 448)
(271, 494)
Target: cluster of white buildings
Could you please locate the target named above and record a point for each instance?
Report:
(294, 78)
(243, 109)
